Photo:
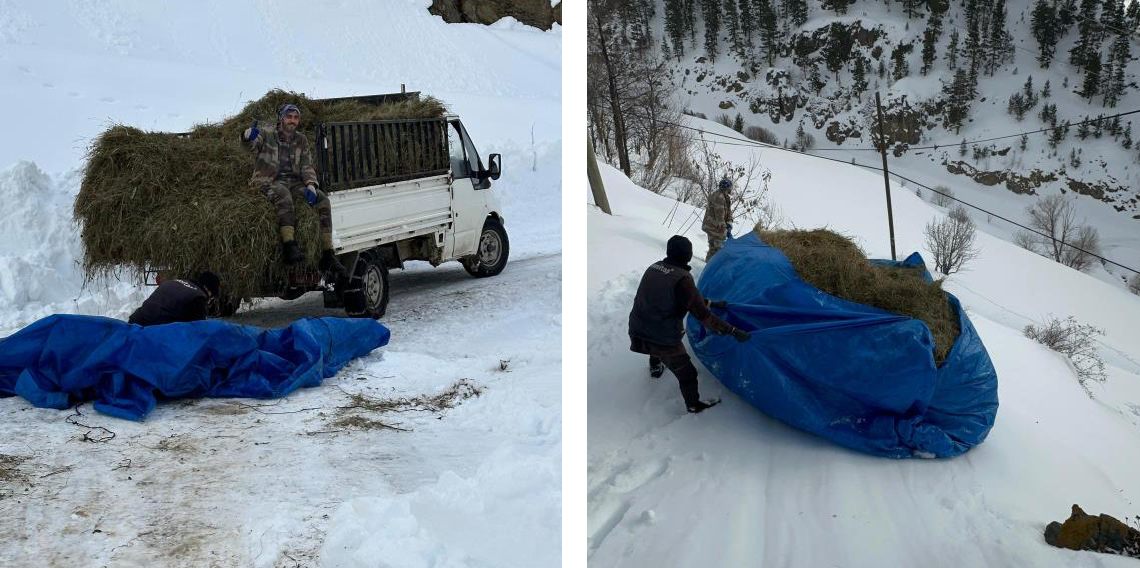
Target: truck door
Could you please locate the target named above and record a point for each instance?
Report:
(468, 205)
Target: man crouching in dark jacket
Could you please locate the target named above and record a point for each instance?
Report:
(656, 323)
(178, 300)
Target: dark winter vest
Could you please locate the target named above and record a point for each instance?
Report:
(657, 315)
(173, 301)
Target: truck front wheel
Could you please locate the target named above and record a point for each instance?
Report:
(367, 295)
(490, 257)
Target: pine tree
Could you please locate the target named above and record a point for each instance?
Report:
(956, 95)
(1127, 136)
(1024, 141)
(769, 29)
(816, 79)
(952, 50)
(796, 11)
(930, 40)
(962, 148)
(912, 7)
(1118, 63)
(1092, 75)
(1016, 106)
(1112, 15)
(738, 123)
(837, 50)
(1083, 129)
(691, 21)
(1045, 90)
(1132, 17)
(899, 67)
(747, 23)
(1043, 26)
(675, 25)
(710, 10)
(859, 74)
(732, 26)
(1000, 44)
(1086, 41)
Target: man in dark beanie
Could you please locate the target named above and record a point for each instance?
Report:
(656, 323)
(178, 300)
(283, 170)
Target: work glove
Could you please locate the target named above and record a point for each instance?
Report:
(729, 225)
(253, 132)
(740, 335)
(311, 195)
(718, 304)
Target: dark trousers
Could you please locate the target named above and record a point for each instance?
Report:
(682, 367)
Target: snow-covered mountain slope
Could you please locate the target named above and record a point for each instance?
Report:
(731, 84)
(309, 480)
(733, 487)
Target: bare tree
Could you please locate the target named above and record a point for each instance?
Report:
(952, 241)
(606, 52)
(654, 124)
(1062, 238)
(749, 182)
(1076, 341)
(942, 196)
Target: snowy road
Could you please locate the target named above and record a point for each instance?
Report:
(229, 482)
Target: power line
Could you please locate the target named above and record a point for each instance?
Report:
(754, 143)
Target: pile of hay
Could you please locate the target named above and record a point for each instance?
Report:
(182, 204)
(835, 264)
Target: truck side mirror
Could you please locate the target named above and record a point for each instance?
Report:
(494, 161)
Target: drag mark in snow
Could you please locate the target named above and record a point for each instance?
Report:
(609, 499)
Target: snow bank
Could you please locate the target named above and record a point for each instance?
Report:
(40, 256)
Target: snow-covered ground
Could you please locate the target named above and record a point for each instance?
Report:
(288, 483)
(734, 487)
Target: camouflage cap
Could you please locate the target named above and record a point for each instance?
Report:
(285, 108)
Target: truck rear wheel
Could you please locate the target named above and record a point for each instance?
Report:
(367, 296)
(490, 257)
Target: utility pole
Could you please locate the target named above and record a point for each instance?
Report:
(595, 177)
(886, 175)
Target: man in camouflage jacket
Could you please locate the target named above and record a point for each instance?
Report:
(283, 170)
(718, 217)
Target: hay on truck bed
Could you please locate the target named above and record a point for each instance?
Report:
(182, 202)
(835, 264)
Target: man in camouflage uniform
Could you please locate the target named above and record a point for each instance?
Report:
(283, 170)
(718, 217)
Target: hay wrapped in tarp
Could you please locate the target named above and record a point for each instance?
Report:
(859, 375)
(835, 264)
(182, 203)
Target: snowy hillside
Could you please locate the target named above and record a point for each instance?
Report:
(471, 465)
(733, 487)
(805, 85)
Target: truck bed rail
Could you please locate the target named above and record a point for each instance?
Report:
(355, 154)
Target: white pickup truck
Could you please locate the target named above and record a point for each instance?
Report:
(412, 189)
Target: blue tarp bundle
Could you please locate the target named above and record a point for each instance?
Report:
(857, 375)
(65, 359)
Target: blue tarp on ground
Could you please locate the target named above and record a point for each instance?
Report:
(62, 360)
(857, 375)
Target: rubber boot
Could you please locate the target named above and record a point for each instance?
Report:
(291, 251)
(330, 264)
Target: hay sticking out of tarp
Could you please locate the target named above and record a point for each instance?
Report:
(182, 203)
(835, 264)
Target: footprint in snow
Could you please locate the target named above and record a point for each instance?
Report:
(108, 100)
(24, 69)
(73, 94)
(141, 107)
(49, 86)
